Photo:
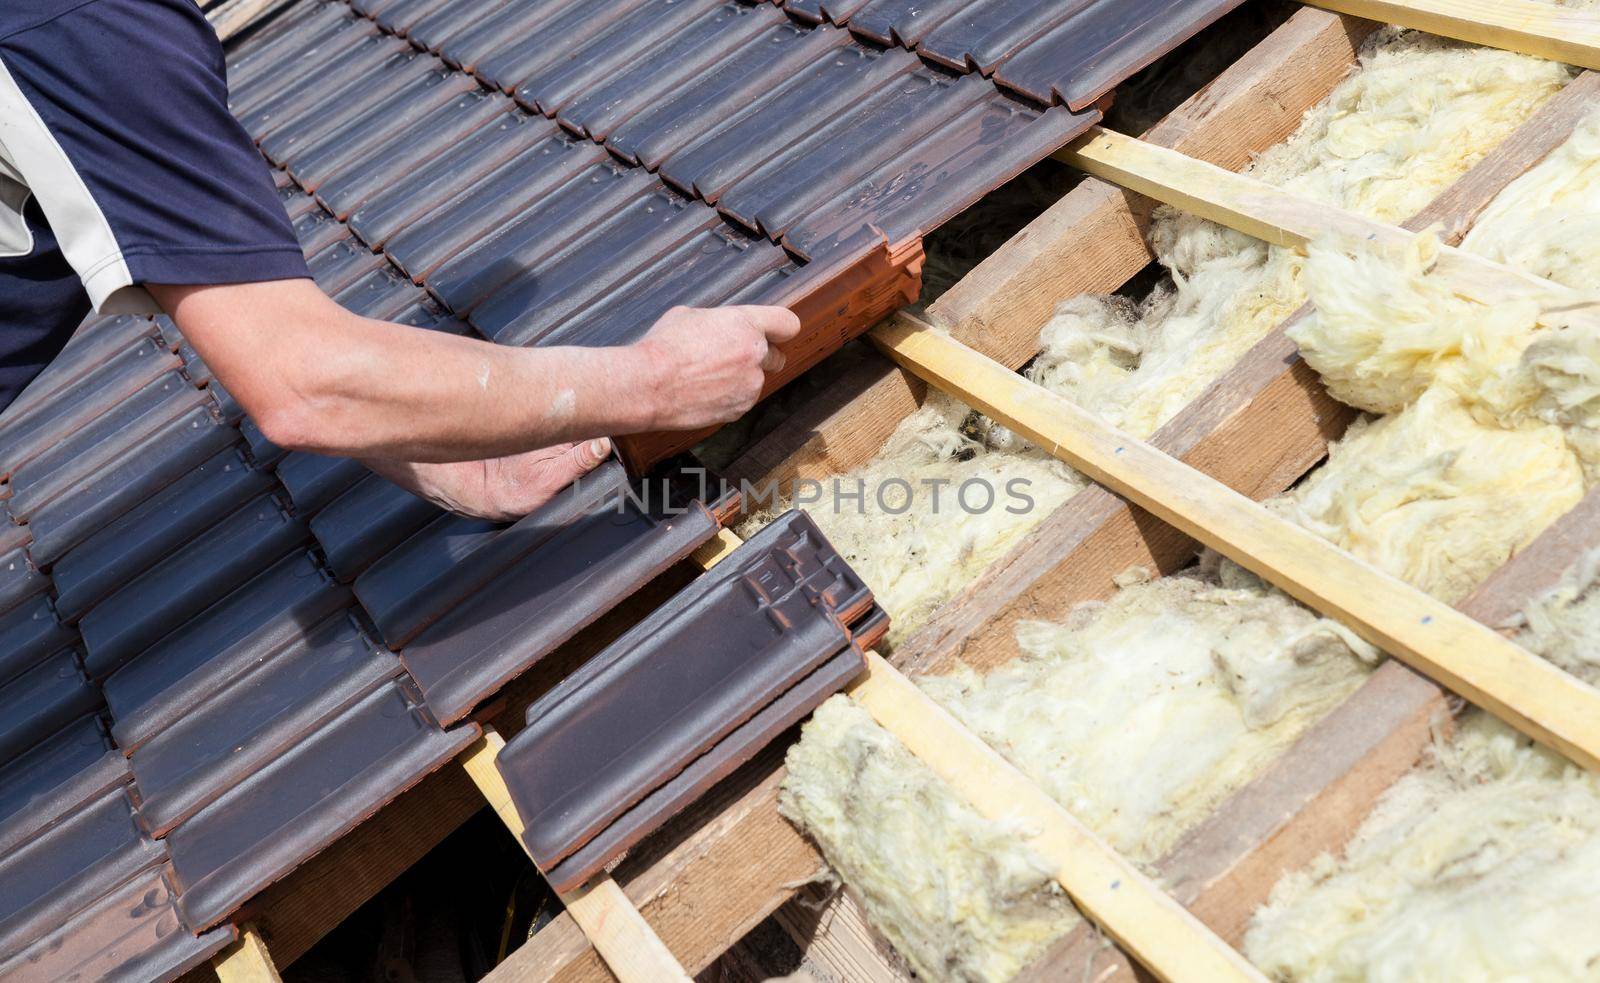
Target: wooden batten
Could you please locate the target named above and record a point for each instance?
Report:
(1527, 26)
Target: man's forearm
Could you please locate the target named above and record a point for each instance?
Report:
(318, 378)
(393, 392)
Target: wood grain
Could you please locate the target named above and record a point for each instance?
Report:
(1532, 28)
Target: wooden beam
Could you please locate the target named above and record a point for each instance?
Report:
(1526, 26)
(833, 934)
(1279, 217)
(1525, 691)
(612, 924)
(247, 960)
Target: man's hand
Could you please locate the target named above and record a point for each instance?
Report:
(710, 365)
(503, 489)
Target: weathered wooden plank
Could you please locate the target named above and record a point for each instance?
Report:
(1542, 29)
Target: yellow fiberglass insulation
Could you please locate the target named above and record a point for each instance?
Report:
(1201, 679)
(1563, 625)
(1417, 114)
(1436, 497)
(1493, 407)
(908, 534)
(1483, 864)
(1213, 663)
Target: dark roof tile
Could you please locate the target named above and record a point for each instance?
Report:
(678, 683)
(366, 522)
(567, 565)
(255, 716)
(306, 799)
(400, 156)
(186, 582)
(154, 529)
(272, 613)
(38, 702)
(133, 933)
(458, 169)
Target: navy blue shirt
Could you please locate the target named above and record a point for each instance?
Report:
(120, 165)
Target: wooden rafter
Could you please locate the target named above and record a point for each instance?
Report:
(1533, 28)
(247, 960)
(608, 918)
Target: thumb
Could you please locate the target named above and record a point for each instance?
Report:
(587, 455)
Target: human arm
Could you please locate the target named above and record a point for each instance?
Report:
(439, 413)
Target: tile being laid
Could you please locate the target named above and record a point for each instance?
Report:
(135, 932)
(599, 105)
(273, 612)
(681, 683)
(305, 799)
(183, 584)
(679, 117)
(256, 716)
(456, 170)
(569, 563)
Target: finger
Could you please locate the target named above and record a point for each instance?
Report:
(779, 324)
(773, 362)
(590, 454)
